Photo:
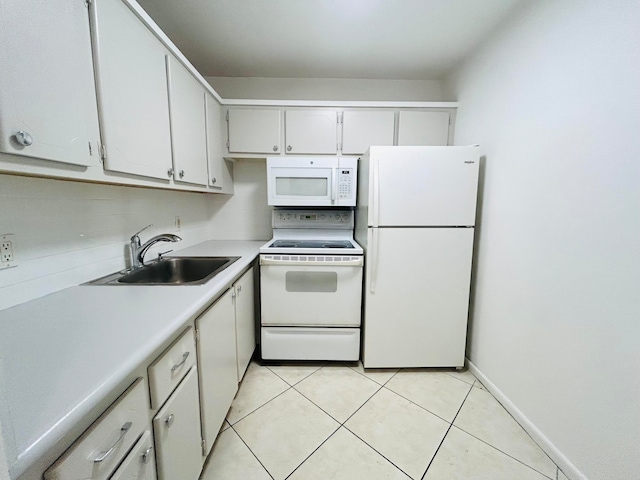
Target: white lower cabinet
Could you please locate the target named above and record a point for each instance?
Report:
(140, 464)
(245, 321)
(176, 430)
(96, 454)
(217, 365)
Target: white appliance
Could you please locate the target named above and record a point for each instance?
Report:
(311, 287)
(415, 220)
(312, 181)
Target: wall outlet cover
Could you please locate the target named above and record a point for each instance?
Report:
(7, 249)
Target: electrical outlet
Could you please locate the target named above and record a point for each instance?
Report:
(7, 244)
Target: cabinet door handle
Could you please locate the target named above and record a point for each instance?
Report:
(170, 172)
(239, 288)
(169, 420)
(185, 355)
(145, 456)
(24, 138)
(275, 148)
(123, 430)
(214, 180)
(289, 148)
(181, 173)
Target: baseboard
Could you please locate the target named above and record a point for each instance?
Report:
(568, 468)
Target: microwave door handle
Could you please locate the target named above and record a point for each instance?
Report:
(334, 184)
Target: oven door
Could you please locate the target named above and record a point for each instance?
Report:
(310, 290)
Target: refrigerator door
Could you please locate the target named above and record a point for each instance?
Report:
(416, 297)
(422, 186)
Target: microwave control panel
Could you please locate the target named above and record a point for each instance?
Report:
(345, 182)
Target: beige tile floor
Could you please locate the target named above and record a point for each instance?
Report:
(340, 421)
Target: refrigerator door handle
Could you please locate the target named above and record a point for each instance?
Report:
(376, 191)
(373, 259)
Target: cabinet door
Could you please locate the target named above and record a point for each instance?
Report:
(47, 87)
(361, 129)
(254, 131)
(423, 128)
(214, 141)
(217, 365)
(132, 92)
(188, 130)
(245, 321)
(176, 430)
(311, 131)
(140, 464)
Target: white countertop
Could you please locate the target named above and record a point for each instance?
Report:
(63, 354)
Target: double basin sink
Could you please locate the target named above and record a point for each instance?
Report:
(170, 271)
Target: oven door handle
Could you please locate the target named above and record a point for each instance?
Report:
(352, 262)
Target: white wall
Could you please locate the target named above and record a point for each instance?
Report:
(554, 101)
(245, 215)
(327, 89)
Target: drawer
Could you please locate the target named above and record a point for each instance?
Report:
(171, 367)
(96, 454)
(140, 464)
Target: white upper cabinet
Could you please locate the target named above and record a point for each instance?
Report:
(213, 112)
(423, 128)
(363, 128)
(47, 93)
(313, 131)
(254, 131)
(188, 129)
(132, 92)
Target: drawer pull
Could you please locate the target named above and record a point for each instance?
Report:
(185, 355)
(125, 428)
(146, 454)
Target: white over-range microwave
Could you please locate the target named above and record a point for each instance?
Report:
(312, 181)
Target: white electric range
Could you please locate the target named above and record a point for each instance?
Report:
(311, 287)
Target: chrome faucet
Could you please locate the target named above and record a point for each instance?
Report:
(138, 250)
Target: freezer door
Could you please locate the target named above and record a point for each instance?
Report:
(416, 297)
(423, 186)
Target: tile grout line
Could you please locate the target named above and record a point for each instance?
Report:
(289, 387)
(447, 432)
(315, 450)
(526, 433)
(424, 408)
(505, 453)
(252, 453)
(375, 450)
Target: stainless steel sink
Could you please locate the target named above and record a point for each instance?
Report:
(170, 271)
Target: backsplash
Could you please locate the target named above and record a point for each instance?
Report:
(67, 233)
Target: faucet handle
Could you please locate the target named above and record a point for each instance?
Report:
(135, 235)
(163, 253)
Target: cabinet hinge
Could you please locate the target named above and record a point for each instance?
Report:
(227, 144)
(196, 334)
(90, 149)
(340, 117)
(227, 115)
(87, 3)
(103, 151)
(204, 447)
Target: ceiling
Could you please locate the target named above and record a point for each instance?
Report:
(366, 39)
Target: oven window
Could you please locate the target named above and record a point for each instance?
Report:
(302, 186)
(311, 281)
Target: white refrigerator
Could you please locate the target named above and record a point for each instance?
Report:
(415, 220)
